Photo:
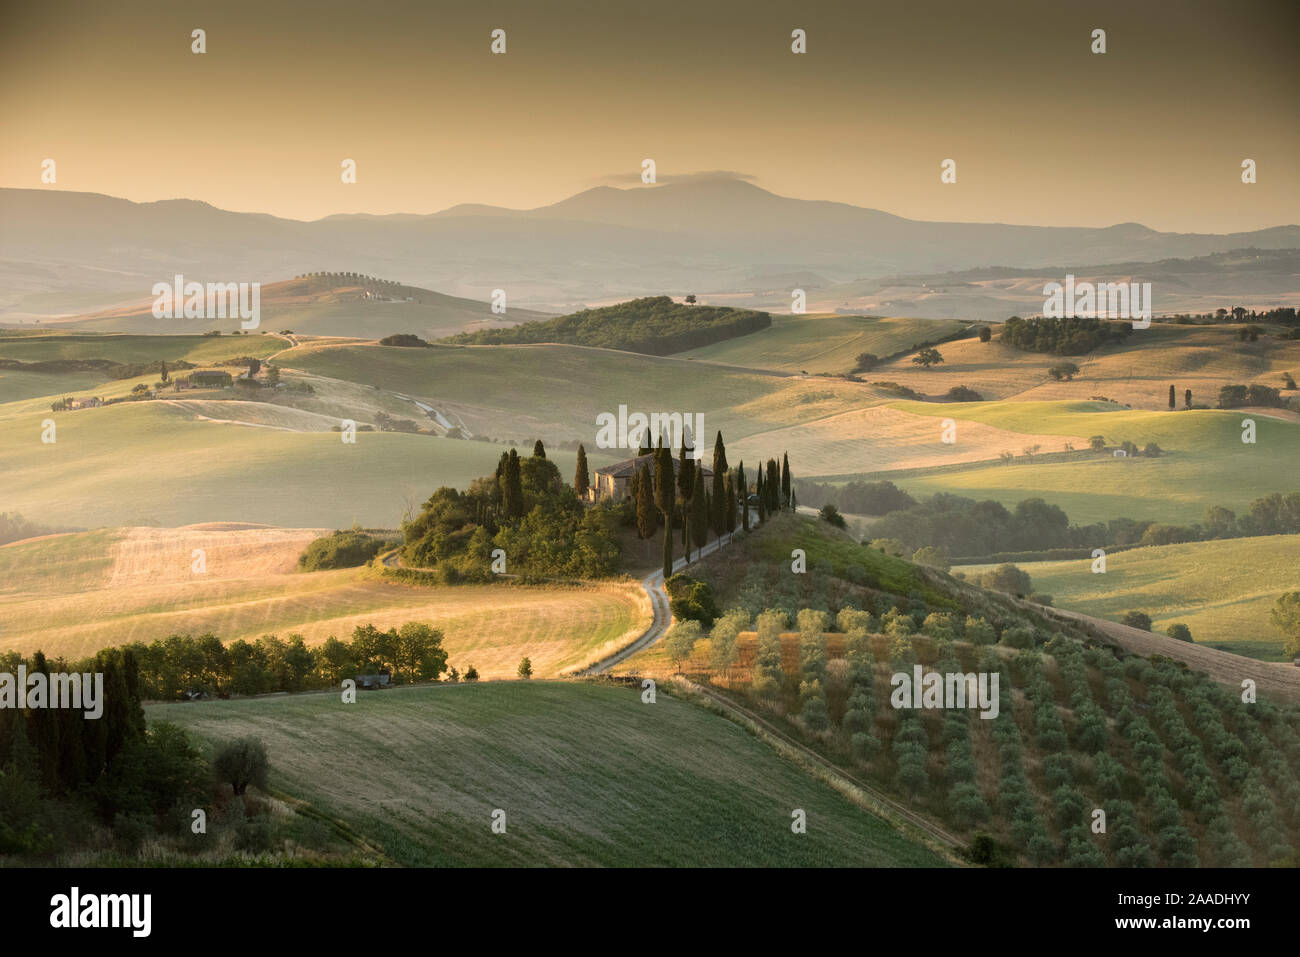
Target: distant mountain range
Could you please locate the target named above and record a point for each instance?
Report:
(66, 252)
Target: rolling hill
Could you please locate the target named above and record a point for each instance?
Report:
(64, 252)
(586, 774)
(73, 594)
(1222, 590)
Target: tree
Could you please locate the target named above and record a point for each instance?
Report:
(699, 511)
(582, 475)
(665, 487)
(525, 669)
(691, 299)
(866, 361)
(1063, 370)
(512, 489)
(1187, 399)
(647, 519)
(729, 503)
(762, 496)
(420, 655)
(1136, 619)
(722, 640)
(668, 550)
(720, 498)
(163, 373)
(1179, 632)
(1007, 578)
(1173, 400)
(742, 484)
(240, 763)
(985, 333)
(680, 641)
(932, 556)
(785, 481)
(927, 357)
(1286, 616)
(1097, 443)
(471, 674)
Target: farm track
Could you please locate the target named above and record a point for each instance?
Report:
(1272, 677)
(663, 616)
(886, 806)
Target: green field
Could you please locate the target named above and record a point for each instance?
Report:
(137, 348)
(1222, 590)
(1207, 463)
(150, 463)
(586, 774)
(822, 343)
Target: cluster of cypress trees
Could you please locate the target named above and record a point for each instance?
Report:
(68, 749)
(678, 494)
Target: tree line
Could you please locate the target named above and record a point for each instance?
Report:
(654, 326)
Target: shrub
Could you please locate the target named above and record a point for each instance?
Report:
(959, 393)
(829, 513)
(1136, 619)
(1179, 632)
(1007, 578)
(340, 550)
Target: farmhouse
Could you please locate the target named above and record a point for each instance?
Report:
(210, 379)
(612, 481)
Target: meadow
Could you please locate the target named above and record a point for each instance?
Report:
(1222, 590)
(587, 775)
(823, 342)
(153, 463)
(1206, 462)
(71, 595)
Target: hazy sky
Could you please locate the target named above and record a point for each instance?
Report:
(1042, 130)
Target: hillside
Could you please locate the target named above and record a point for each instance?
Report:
(1222, 590)
(655, 326)
(322, 305)
(822, 343)
(1206, 462)
(73, 594)
(586, 774)
(64, 252)
(1077, 721)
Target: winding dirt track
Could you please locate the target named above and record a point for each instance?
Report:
(1271, 677)
(663, 616)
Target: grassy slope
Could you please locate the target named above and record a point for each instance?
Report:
(1223, 591)
(1208, 464)
(587, 775)
(74, 594)
(1138, 372)
(822, 343)
(152, 463)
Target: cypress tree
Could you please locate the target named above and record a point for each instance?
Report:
(1173, 402)
(1187, 399)
(43, 723)
(729, 503)
(646, 519)
(772, 483)
(762, 497)
(700, 511)
(582, 476)
(665, 486)
(512, 488)
(785, 478)
(539, 450)
(668, 551)
(718, 513)
(743, 484)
